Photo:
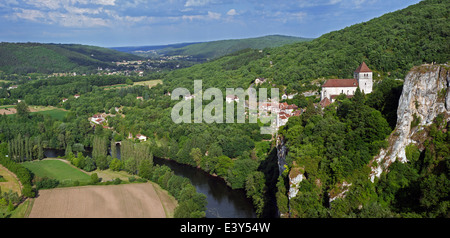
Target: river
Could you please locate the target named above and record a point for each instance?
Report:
(223, 202)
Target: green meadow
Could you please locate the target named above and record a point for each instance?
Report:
(56, 169)
(54, 113)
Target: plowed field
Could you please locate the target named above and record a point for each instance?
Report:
(143, 200)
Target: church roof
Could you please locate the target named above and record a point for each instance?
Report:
(325, 102)
(363, 68)
(339, 83)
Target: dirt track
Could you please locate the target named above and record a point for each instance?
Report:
(113, 201)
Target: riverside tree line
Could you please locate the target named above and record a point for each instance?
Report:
(137, 159)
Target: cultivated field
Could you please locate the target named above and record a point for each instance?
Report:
(56, 169)
(9, 181)
(8, 110)
(57, 113)
(149, 83)
(141, 200)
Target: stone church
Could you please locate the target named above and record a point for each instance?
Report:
(332, 88)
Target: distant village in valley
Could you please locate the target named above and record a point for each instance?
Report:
(280, 112)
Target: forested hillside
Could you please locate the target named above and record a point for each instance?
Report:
(215, 49)
(211, 50)
(390, 45)
(332, 146)
(23, 58)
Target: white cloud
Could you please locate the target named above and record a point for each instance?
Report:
(214, 15)
(358, 3)
(106, 2)
(76, 20)
(82, 11)
(210, 16)
(287, 16)
(332, 2)
(54, 4)
(68, 16)
(309, 3)
(300, 16)
(8, 3)
(50, 4)
(232, 12)
(196, 3)
(29, 14)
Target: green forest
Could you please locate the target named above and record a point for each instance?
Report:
(215, 49)
(390, 45)
(329, 146)
(204, 51)
(333, 147)
(25, 58)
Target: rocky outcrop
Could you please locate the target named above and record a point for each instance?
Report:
(281, 154)
(295, 178)
(425, 95)
(339, 192)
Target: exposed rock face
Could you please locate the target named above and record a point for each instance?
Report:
(343, 189)
(425, 95)
(295, 178)
(281, 153)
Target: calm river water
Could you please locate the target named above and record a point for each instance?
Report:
(223, 202)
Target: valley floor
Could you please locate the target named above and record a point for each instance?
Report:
(144, 200)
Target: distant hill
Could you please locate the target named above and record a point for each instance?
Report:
(213, 49)
(390, 45)
(22, 58)
(152, 50)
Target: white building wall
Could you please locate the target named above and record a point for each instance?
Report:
(328, 91)
(365, 81)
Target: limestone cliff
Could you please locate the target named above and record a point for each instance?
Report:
(281, 154)
(425, 95)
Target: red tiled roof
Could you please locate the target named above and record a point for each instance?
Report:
(284, 115)
(292, 106)
(282, 105)
(340, 83)
(297, 113)
(325, 102)
(363, 68)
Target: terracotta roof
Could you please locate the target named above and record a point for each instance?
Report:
(297, 113)
(292, 106)
(340, 83)
(283, 115)
(363, 68)
(325, 102)
(283, 105)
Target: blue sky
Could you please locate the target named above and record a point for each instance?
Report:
(158, 22)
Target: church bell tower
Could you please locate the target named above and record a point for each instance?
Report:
(364, 76)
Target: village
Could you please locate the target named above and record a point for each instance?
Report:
(279, 112)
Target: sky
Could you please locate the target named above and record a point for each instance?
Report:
(112, 23)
